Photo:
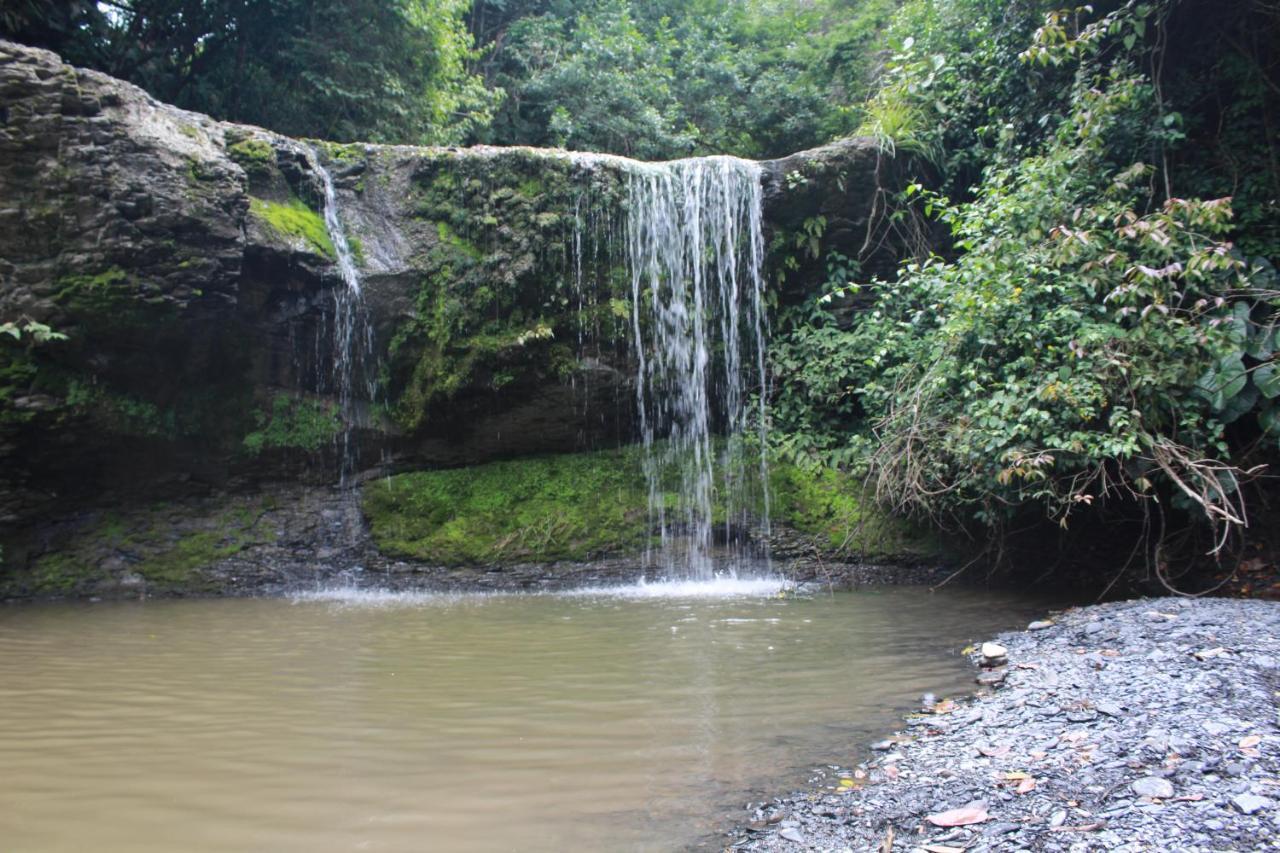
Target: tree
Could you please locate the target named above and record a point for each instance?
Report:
(346, 70)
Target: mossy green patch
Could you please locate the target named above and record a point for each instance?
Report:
(169, 555)
(293, 424)
(569, 507)
(830, 506)
(295, 219)
(584, 505)
(255, 156)
(497, 273)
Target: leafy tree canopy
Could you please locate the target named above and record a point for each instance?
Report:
(346, 70)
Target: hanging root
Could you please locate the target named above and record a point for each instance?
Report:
(1212, 485)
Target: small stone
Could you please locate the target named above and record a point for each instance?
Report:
(1250, 803)
(994, 650)
(1154, 787)
(1040, 625)
(994, 678)
(1214, 825)
(882, 745)
(1058, 818)
(792, 834)
(1108, 708)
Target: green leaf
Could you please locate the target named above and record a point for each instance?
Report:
(1267, 378)
(1237, 406)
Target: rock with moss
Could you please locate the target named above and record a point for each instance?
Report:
(188, 264)
(590, 505)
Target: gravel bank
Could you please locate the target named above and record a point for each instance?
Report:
(1141, 725)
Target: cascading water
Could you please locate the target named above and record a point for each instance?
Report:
(352, 339)
(694, 250)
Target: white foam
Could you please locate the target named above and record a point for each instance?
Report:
(356, 597)
(726, 587)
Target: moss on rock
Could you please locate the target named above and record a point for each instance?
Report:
(255, 156)
(137, 550)
(293, 424)
(501, 291)
(295, 220)
(585, 505)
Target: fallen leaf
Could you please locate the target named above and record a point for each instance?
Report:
(964, 816)
(1016, 775)
(946, 706)
(891, 773)
(1250, 741)
(1206, 654)
(993, 751)
(1038, 755)
(1026, 786)
(1251, 753)
(1109, 653)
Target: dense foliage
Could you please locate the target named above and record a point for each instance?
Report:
(678, 77)
(347, 70)
(656, 79)
(1094, 336)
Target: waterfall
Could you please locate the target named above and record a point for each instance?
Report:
(694, 250)
(352, 339)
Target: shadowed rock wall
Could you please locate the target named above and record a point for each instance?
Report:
(187, 263)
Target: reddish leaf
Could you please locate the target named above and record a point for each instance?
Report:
(972, 813)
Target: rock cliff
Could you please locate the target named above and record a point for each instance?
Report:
(188, 265)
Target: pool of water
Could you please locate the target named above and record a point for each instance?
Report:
(635, 718)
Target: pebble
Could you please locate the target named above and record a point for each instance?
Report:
(792, 834)
(1250, 803)
(1040, 625)
(1154, 787)
(1127, 724)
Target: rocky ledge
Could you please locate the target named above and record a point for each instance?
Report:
(1140, 725)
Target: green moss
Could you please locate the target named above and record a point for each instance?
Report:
(99, 287)
(568, 507)
(169, 556)
(295, 219)
(255, 156)
(579, 506)
(123, 414)
(344, 154)
(831, 507)
(357, 249)
(57, 574)
(457, 243)
(177, 566)
(497, 271)
(293, 424)
(531, 187)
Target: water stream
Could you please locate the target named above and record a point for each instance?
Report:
(640, 718)
(352, 335)
(694, 251)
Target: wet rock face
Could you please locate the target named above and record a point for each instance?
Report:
(187, 262)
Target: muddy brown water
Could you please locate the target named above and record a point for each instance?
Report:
(640, 719)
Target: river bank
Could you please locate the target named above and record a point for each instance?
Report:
(1139, 725)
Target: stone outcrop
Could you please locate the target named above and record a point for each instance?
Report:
(186, 261)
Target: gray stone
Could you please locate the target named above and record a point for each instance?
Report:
(1154, 787)
(1250, 803)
